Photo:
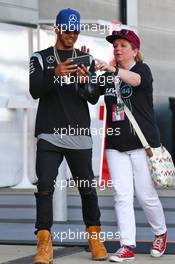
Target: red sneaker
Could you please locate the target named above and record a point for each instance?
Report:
(123, 253)
(159, 245)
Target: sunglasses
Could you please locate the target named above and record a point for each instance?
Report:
(71, 31)
(122, 32)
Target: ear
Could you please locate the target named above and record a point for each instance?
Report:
(56, 29)
(135, 52)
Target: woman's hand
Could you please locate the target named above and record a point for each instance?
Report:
(103, 66)
(132, 78)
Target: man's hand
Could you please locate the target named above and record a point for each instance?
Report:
(65, 68)
(85, 49)
(82, 74)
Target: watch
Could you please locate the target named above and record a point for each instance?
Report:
(116, 70)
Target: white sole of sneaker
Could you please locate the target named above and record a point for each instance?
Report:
(116, 259)
(157, 255)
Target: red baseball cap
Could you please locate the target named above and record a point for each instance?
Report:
(124, 34)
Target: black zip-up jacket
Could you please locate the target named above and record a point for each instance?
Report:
(60, 106)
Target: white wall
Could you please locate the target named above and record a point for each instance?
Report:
(23, 11)
(89, 9)
(156, 25)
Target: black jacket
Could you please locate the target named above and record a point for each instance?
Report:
(60, 106)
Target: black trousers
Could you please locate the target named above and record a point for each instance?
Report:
(48, 160)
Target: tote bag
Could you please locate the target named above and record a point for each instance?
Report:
(159, 159)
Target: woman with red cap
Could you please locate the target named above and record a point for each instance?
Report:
(127, 160)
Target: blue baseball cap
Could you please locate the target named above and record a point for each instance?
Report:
(68, 19)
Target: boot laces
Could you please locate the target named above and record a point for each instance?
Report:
(97, 243)
(44, 245)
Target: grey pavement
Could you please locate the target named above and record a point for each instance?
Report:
(73, 255)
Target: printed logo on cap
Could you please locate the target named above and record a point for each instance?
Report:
(72, 18)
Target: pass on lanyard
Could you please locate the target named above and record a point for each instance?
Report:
(118, 113)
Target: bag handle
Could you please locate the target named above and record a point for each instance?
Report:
(135, 125)
(138, 131)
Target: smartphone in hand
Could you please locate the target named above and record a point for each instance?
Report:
(85, 59)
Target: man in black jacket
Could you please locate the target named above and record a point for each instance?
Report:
(63, 130)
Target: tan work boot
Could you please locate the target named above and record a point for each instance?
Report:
(96, 246)
(44, 248)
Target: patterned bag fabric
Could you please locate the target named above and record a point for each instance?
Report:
(159, 159)
(162, 168)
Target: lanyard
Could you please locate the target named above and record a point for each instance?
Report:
(117, 83)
